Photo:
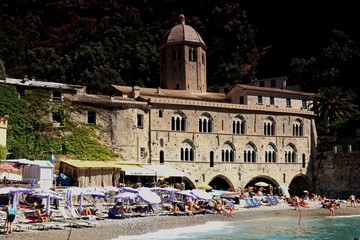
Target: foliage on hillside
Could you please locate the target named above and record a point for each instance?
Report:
(98, 43)
(32, 135)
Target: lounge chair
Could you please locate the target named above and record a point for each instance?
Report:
(257, 201)
(275, 200)
(248, 203)
(90, 220)
(270, 201)
(252, 201)
(69, 219)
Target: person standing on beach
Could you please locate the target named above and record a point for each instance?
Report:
(271, 190)
(332, 206)
(10, 216)
(352, 201)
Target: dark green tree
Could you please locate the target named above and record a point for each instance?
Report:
(333, 107)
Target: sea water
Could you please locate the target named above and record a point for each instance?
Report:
(334, 228)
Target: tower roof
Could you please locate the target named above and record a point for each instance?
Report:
(182, 33)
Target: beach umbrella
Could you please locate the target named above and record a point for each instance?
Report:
(128, 189)
(204, 186)
(149, 197)
(261, 184)
(44, 190)
(201, 194)
(186, 193)
(8, 167)
(125, 195)
(49, 197)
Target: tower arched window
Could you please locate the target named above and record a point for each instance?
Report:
(249, 153)
(227, 153)
(238, 125)
(270, 154)
(205, 123)
(187, 151)
(269, 127)
(298, 128)
(192, 54)
(178, 122)
(290, 154)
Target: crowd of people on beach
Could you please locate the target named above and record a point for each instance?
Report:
(180, 205)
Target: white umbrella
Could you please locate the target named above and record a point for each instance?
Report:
(149, 197)
(129, 189)
(186, 193)
(201, 194)
(125, 195)
(49, 197)
(261, 184)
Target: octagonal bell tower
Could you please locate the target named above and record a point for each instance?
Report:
(183, 59)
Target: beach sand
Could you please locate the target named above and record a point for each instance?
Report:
(113, 228)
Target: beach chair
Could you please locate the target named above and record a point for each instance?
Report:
(69, 219)
(252, 201)
(248, 203)
(269, 200)
(275, 200)
(257, 201)
(90, 220)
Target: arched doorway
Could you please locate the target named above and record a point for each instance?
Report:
(188, 183)
(299, 184)
(221, 182)
(265, 189)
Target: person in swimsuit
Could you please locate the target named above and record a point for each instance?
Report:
(332, 206)
(10, 216)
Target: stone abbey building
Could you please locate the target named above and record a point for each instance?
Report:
(230, 139)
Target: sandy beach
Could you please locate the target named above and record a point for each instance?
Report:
(113, 228)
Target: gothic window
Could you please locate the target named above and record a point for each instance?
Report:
(290, 154)
(270, 154)
(228, 153)
(238, 125)
(250, 153)
(162, 156)
(205, 123)
(211, 159)
(178, 122)
(297, 128)
(192, 54)
(176, 55)
(187, 151)
(269, 127)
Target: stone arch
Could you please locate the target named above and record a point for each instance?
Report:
(266, 179)
(188, 183)
(299, 183)
(221, 182)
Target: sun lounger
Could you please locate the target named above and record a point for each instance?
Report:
(257, 201)
(253, 202)
(248, 203)
(275, 200)
(269, 201)
(90, 220)
(69, 219)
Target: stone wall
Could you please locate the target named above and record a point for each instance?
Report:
(337, 175)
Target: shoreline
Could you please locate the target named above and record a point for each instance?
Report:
(113, 228)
